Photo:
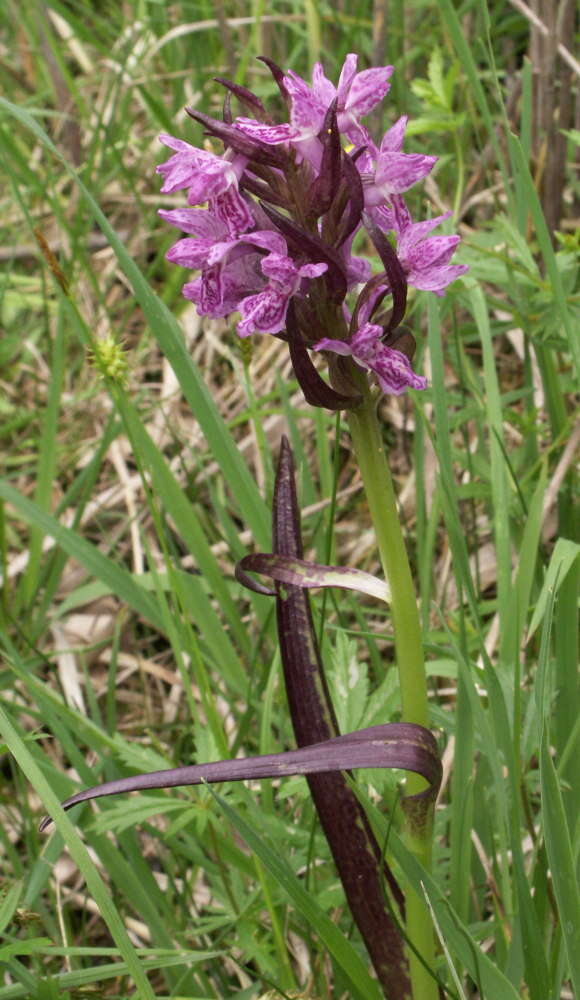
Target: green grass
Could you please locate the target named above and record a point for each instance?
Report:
(128, 645)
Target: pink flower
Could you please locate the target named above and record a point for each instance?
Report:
(209, 178)
(425, 259)
(284, 205)
(266, 311)
(392, 367)
(387, 171)
(357, 93)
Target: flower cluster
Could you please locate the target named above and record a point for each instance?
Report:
(283, 205)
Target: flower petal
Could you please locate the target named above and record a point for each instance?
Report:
(272, 135)
(336, 346)
(392, 141)
(394, 372)
(197, 221)
(263, 313)
(398, 171)
(368, 89)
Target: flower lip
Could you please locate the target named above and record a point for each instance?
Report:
(390, 365)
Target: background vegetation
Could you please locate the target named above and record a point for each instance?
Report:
(126, 642)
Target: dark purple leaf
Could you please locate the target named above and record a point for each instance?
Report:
(355, 850)
(278, 75)
(227, 109)
(261, 190)
(244, 96)
(311, 247)
(324, 188)
(248, 581)
(316, 391)
(393, 270)
(356, 199)
(395, 745)
(368, 292)
(231, 136)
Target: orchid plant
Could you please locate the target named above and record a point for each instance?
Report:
(271, 226)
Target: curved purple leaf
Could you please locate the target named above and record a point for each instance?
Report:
(278, 75)
(324, 188)
(316, 391)
(355, 850)
(394, 272)
(227, 109)
(248, 581)
(354, 187)
(244, 96)
(396, 745)
(231, 136)
(261, 190)
(367, 293)
(308, 575)
(311, 246)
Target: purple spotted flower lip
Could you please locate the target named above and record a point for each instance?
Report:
(270, 226)
(392, 367)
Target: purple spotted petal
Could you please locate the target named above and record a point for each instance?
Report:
(411, 235)
(281, 269)
(336, 346)
(307, 110)
(312, 270)
(368, 89)
(425, 258)
(272, 135)
(392, 368)
(263, 313)
(365, 342)
(179, 170)
(395, 172)
(433, 251)
(394, 372)
(205, 174)
(437, 278)
(266, 239)
(197, 221)
(212, 178)
(195, 252)
(233, 211)
(347, 76)
(392, 141)
(207, 292)
(221, 286)
(323, 89)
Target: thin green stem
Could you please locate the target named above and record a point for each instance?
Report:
(372, 460)
(370, 453)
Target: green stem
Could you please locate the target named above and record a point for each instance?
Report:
(372, 460)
